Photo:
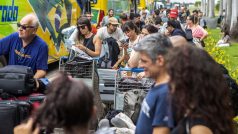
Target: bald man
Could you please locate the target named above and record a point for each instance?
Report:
(25, 47)
(178, 40)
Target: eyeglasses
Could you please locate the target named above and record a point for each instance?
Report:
(24, 27)
(81, 26)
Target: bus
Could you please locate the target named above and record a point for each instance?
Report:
(99, 8)
(53, 15)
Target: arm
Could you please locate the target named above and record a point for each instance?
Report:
(161, 130)
(205, 33)
(42, 62)
(98, 46)
(121, 58)
(40, 74)
(200, 129)
(134, 59)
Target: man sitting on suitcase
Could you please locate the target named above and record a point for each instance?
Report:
(153, 116)
(25, 47)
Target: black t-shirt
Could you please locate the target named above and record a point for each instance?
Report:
(184, 126)
(88, 42)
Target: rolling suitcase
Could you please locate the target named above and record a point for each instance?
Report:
(12, 113)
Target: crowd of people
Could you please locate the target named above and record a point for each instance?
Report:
(189, 84)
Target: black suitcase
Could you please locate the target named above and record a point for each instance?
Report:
(17, 80)
(12, 113)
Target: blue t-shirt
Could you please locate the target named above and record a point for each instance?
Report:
(34, 55)
(153, 110)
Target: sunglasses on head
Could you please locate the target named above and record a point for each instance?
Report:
(24, 27)
(81, 26)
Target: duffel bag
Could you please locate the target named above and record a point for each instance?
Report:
(16, 80)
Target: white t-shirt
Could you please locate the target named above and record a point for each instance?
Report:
(102, 33)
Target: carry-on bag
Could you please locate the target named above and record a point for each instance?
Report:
(16, 80)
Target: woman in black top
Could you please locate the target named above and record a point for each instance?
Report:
(86, 40)
(174, 28)
(199, 93)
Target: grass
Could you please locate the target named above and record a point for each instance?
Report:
(230, 51)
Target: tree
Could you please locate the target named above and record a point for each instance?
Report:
(211, 8)
(220, 7)
(207, 7)
(228, 11)
(203, 6)
(234, 13)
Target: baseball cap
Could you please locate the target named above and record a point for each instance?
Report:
(113, 20)
(173, 13)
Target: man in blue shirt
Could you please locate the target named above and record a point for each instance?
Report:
(153, 116)
(25, 47)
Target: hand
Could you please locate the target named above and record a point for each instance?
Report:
(115, 67)
(25, 128)
(125, 45)
(141, 75)
(80, 46)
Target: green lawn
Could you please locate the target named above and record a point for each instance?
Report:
(231, 51)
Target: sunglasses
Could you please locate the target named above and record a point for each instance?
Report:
(24, 27)
(114, 25)
(81, 26)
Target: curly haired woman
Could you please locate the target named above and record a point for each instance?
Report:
(198, 92)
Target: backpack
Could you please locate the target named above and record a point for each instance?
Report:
(111, 52)
(189, 34)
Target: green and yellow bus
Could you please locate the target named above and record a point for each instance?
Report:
(53, 15)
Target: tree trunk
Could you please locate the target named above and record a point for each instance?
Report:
(211, 8)
(207, 7)
(203, 6)
(234, 13)
(228, 11)
(220, 7)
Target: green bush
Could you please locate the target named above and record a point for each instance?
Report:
(220, 56)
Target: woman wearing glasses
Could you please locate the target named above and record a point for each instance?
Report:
(86, 40)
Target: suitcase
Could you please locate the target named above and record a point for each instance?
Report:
(12, 113)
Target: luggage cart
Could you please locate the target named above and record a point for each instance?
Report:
(85, 70)
(124, 83)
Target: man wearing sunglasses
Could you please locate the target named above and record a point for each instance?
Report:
(25, 47)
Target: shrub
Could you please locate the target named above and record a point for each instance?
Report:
(221, 57)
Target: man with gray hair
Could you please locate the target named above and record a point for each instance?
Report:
(25, 47)
(153, 116)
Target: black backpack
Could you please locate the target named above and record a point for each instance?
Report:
(189, 34)
(111, 54)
